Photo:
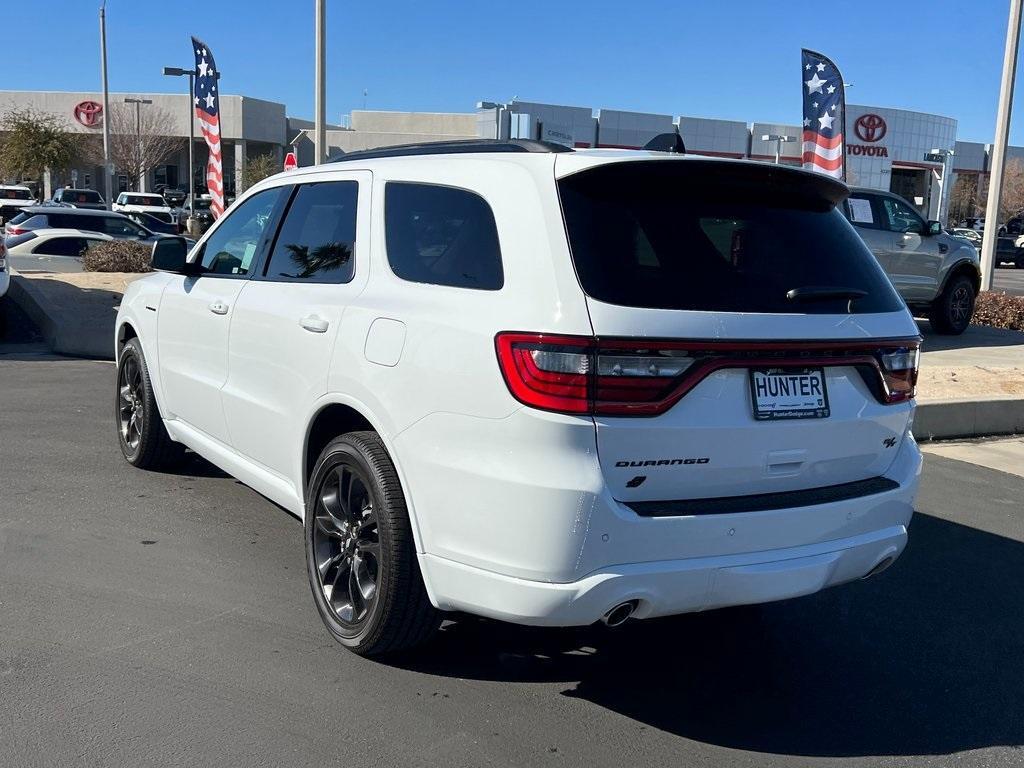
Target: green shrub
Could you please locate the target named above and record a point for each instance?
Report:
(117, 256)
(999, 310)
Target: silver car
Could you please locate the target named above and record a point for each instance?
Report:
(938, 275)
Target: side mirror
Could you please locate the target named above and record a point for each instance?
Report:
(934, 228)
(170, 254)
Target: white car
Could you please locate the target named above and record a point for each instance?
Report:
(13, 198)
(5, 274)
(546, 386)
(54, 242)
(141, 202)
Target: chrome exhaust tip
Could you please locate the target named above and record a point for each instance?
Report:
(879, 568)
(618, 615)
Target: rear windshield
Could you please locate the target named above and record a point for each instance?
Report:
(81, 196)
(15, 194)
(201, 205)
(144, 200)
(718, 237)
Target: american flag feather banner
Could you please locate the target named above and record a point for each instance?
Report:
(206, 100)
(824, 148)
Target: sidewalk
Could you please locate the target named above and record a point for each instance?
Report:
(970, 385)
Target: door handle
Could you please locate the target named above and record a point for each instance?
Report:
(219, 307)
(314, 324)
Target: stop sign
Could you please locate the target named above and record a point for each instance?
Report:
(290, 163)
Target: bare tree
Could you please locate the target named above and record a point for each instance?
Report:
(963, 198)
(1012, 202)
(136, 148)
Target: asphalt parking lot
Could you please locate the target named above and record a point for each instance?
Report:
(165, 619)
(1009, 280)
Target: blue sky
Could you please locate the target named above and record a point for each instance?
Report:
(733, 59)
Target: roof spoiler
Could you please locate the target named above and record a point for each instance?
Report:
(666, 142)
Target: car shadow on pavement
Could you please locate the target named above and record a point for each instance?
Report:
(975, 336)
(926, 659)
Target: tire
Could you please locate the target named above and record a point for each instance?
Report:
(951, 312)
(360, 556)
(140, 430)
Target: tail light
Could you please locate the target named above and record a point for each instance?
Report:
(3, 255)
(592, 376)
(12, 230)
(899, 368)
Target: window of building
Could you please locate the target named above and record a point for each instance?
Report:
(231, 248)
(442, 235)
(318, 237)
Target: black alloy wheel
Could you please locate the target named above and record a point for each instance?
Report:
(360, 556)
(346, 543)
(140, 430)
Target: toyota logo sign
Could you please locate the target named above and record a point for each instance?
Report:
(869, 127)
(88, 113)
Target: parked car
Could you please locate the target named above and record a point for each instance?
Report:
(937, 274)
(173, 196)
(5, 280)
(971, 235)
(54, 242)
(200, 210)
(79, 198)
(151, 204)
(39, 218)
(13, 199)
(1010, 250)
(547, 386)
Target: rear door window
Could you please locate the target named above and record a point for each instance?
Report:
(317, 239)
(862, 211)
(61, 246)
(441, 235)
(712, 236)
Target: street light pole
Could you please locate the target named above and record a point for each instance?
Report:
(779, 141)
(107, 188)
(138, 139)
(320, 108)
(190, 73)
(995, 184)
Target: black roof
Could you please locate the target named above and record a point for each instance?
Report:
(460, 147)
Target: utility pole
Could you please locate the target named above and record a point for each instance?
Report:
(107, 188)
(995, 184)
(320, 108)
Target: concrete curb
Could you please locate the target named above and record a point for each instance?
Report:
(979, 417)
(64, 328)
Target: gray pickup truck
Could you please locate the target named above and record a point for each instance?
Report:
(937, 274)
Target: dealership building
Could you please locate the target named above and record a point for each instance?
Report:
(914, 154)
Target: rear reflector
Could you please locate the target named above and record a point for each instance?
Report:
(644, 377)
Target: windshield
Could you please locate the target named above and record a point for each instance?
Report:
(15, 194)
(201, 205)
(712, 236)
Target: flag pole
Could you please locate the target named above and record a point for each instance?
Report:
(107, 189)
(1002, 137)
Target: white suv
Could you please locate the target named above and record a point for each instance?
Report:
(142, 202)
(542, 385)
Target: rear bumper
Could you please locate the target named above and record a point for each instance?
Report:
(529, 553)
(667, 587)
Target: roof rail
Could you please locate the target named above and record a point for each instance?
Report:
(462, 146)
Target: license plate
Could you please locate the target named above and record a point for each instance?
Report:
(789, 393)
